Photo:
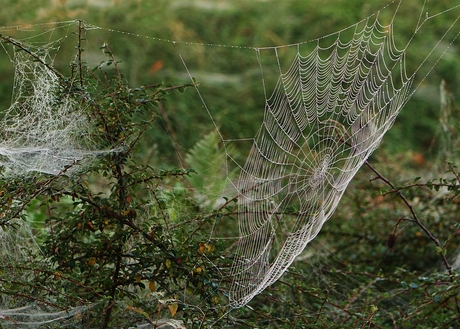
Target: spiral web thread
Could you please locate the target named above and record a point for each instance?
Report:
(325, 117)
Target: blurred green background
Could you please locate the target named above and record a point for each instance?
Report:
(351, 255)
(230, 81)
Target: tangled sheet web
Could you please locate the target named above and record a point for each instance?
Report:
(44, 129)
(326, 115)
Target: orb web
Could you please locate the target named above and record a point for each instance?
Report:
(327, 113)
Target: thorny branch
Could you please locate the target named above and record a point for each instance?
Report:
(418, 222)
(22, 47)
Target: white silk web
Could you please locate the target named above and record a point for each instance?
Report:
(323, 120)
(328, 112)
(45, 130)
(334, 100)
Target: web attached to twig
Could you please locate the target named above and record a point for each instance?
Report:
(45, 129)
(323, 120)
(327, 113)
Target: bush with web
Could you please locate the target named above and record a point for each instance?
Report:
(145, 236)
(97, 253)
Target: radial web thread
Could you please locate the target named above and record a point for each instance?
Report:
(326, 115)
(322, 122)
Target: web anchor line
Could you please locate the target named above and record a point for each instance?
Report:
(323, 120)
(326, 114)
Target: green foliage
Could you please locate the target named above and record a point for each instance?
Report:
(208, 160)
(110, 249)
(127, 240)
(387, 258)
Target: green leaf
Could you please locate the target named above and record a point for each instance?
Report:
(208, 160)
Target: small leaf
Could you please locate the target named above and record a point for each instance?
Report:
(152, 286)
(391, 241)
(202, 248)
(168, 263)
(173, 308)
(138, 310)
(92, 261)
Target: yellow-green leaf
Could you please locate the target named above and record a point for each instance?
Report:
(202, 248)
(173, 308)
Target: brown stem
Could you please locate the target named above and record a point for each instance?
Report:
(451, 167)
(80, 69)
(412, 211)
(34, 56)
(419, 224)
(44, 187)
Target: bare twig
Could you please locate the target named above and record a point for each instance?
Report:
(22, 47)
(418, 222)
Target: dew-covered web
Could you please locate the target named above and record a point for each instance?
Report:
(326, 114)
(325, 117)
(45, 129)
(327, 110)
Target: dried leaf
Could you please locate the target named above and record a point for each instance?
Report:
(202, 248)
(152, 286)
(138, 310)
(173, 308)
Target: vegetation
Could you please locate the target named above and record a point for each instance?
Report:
(125, 242)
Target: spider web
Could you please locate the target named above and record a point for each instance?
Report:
(45, 129)
(323, 120)
(332, 102)
(328, 112)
